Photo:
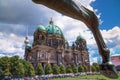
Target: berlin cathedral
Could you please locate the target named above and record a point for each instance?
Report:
(50, 46)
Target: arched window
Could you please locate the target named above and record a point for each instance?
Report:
(43, 37)
(52, 57)
(40, 36)
(43, 55)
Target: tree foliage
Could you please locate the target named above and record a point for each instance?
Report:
(6, 72)
(5, 66)
(48, 69)
(25, 66)
(56, 69)
(93, 69)
(69, 69)
(80, 68)
(62, 69)
(85, 69)
(39, 70)
(74, 68)
(15, 67)
(31, 71)
(96, 66)
(19, 70)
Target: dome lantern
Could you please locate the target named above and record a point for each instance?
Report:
(51, 22)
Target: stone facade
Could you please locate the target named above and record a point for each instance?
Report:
(50, 46)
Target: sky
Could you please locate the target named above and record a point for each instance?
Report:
(17, 15)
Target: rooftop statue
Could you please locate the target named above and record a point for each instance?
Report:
(74, 9)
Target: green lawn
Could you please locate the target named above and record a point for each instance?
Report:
(88, 77)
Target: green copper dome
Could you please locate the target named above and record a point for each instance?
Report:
(53, 29)
(80, 37)
(41, 28)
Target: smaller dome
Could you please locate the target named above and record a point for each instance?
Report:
(80, 37)
(41, 28)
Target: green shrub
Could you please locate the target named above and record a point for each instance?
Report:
(48, 69)
(39, 70)
(56, 69)
(81, 69)
(69, 69)
(62, 69)
(74, 68)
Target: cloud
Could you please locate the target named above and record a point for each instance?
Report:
(11, 44)
(16, 15)
(112, 37)
(112, 40)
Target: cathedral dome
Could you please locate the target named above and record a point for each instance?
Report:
(79, 37)
(41, 28)
(53, 29)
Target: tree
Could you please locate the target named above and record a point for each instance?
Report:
(19, 70)
(85, 68)
(97, 68)
(69, 69)
(6, 72)
(74, 68)
(93, 68)
(80, 69)
(5, 66)
(28, 68)
(13, 63)
(25, 65)
(39, 70)
(17, 67)
(56, 69)
(48, 69)
(96, 65)
(62, 69)
(31, 71)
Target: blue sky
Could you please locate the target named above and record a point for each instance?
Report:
(110, 12)
(17, 15)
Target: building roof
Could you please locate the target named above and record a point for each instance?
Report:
(41, 28)
(79, 37)
(53, 29)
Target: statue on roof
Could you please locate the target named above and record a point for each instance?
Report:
(74, 9)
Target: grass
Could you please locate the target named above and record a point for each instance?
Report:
(88, 77)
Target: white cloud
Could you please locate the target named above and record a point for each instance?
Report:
(112, 40)
(12, 43)
(112, 36)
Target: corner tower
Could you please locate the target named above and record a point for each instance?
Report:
(40, 36)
